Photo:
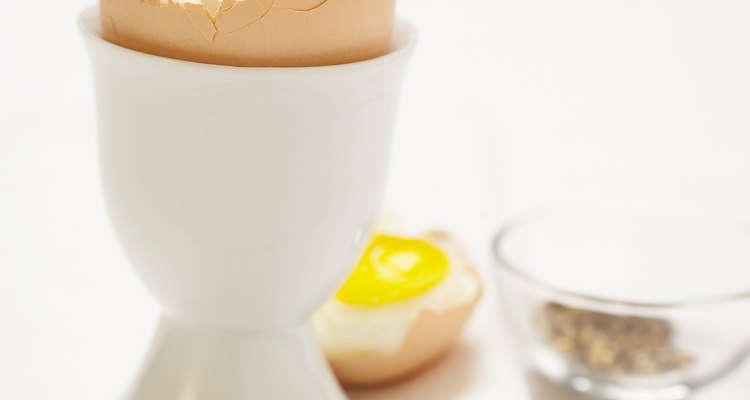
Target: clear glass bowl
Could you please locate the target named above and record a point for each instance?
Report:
(627, 304)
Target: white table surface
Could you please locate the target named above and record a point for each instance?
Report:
(74, 320)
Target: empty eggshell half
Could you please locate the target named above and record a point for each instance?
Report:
(252, 33)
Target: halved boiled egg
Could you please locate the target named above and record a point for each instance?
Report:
(400, 310)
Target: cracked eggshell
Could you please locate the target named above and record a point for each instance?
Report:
(430, 336)
(252, 33)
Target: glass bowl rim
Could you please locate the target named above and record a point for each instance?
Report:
(503, 264)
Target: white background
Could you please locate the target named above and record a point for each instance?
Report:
(74, 322)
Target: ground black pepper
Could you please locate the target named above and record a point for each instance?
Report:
(609, 343)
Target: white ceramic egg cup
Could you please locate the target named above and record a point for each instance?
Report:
(242, 197)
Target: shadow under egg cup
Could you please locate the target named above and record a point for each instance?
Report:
(242, 197)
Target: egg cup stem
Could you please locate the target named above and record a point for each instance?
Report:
(210, 364)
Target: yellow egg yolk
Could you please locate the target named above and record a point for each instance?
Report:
(394, 269)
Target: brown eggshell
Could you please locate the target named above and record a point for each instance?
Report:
(430, 337)
(253, 33)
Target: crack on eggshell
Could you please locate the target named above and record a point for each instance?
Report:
(264, 10)
(199, 18)
(224, 16)
(213, 8)
(228, 5)
(312, 6)
(231, 22)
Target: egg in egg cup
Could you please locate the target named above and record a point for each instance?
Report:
(242, 196)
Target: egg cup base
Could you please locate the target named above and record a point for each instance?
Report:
(190, 363)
